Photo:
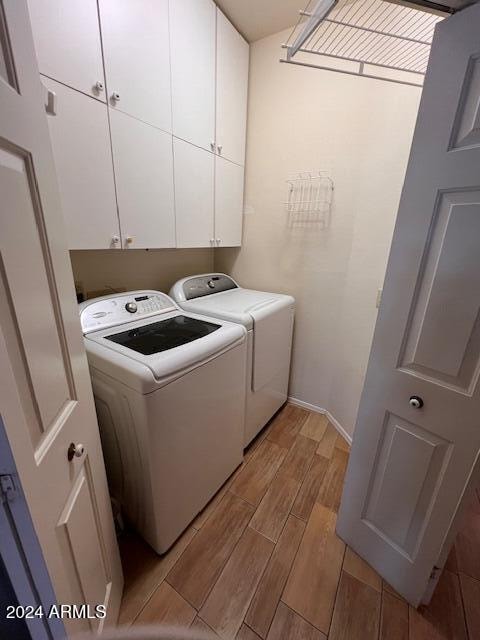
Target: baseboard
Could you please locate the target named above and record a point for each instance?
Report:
(316, 409)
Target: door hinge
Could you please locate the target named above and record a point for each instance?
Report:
(435, 573)
(7, 488)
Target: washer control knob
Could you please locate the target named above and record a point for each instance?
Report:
(211, 284)
(416, 402)
(131, 307)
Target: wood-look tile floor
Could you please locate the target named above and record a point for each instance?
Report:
(262, 561)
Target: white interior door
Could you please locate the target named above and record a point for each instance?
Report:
(135, 38)
(192, 38)
(228, 203)
(143, 160)
(194, 195)
(232, 90)
(67, 42)
(46, 400)
(80, 137)
(410, 465)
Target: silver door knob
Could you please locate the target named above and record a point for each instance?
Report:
(75, 451)
(416, 402)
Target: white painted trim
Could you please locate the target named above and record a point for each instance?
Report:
(322, 410)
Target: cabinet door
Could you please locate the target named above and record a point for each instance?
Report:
(83, 158)
(137, 58)
(143, 161)
(194, 195)
(192, 38)
(228, 203)
(67, 42)
(232, 88)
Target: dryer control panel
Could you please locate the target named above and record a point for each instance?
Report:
(110, 311)
(204, 285)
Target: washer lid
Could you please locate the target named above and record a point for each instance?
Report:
(163, 335)
(168, 353)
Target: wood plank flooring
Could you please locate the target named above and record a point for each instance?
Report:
(262, 561)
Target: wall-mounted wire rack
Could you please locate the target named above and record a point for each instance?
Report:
(372, 38)
(309, 198)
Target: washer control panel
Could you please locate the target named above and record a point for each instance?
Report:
(109, 311)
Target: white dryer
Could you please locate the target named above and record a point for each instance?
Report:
(268, 318)
(168, 388)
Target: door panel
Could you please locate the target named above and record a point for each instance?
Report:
(81, 529)
(466, 129)
(441, 302)
(143, 160)
(404, 446)
(411, 466)
(232, 88)
(45, 390)
(135, 38)
(228, 203)
(194, 195)
(85, 177)
(192, 38)
(67, 42)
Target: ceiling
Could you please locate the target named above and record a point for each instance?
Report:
(256, 19)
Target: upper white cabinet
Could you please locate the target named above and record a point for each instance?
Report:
(192, 41)
(232, 89)
(228, 203)
(143, 160)
(157, 158)
(135, 38)
(194, 195)
(83, 159)
(68, 45)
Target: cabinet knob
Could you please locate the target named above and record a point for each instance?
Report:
(212, 241)
(219, 149)
(218, 240)
(115, 239)
(98, 87)
(115, 97)
(212, 146)
(75, 451)
(129, 240)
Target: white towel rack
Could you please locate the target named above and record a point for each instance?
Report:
(309, 198)
(372, 38)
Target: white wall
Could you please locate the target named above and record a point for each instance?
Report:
(359, 130)
(138, 269)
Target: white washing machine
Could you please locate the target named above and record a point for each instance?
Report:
(168, 389)
(268, 318)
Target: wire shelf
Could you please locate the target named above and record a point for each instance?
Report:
(380, 39)
(309, 199)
